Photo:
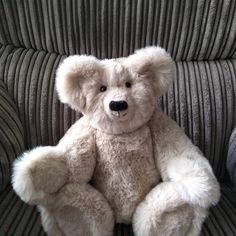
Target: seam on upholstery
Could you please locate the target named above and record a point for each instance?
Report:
(60, 54)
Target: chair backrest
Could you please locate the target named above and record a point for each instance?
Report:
(188, 29)
(200, 35)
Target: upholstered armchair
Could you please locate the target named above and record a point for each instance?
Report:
(36, 35)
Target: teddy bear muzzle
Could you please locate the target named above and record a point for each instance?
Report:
(118, 109)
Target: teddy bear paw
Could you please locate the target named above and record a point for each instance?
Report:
(38, 173)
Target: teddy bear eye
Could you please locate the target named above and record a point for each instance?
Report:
(128, 85)
(103, 88)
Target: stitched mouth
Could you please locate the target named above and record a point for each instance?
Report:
(119, 114)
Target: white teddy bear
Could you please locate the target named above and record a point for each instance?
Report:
(125, 161)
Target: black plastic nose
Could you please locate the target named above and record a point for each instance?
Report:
(118, 105)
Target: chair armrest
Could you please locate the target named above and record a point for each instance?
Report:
(11, 135)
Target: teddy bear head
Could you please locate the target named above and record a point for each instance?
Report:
(117, 95)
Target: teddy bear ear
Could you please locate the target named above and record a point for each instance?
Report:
(72, 75)
(153, 62)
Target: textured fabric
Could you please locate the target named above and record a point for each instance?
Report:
(19, 219)
(202, 100)
(29, 76)
(222, 218)
(11, 135)
(231, 158)
(35, 34)
(188, 29)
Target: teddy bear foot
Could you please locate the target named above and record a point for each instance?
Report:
(164, 213)
(79, 210)
(49, 223)
(174, 223)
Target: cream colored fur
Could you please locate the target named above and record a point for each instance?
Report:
(129, 166)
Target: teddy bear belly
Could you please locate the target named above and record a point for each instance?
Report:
(125, 172)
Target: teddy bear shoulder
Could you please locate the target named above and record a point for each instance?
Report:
(79, 131)
(166, 131)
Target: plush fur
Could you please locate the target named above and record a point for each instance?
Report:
(127, 165)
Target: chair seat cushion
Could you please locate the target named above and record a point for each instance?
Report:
(222, 217)
(18, 218)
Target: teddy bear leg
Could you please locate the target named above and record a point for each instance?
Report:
(49, 223)
(164, 213)
(82, 210)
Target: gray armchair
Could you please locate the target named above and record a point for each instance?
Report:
(35, 35)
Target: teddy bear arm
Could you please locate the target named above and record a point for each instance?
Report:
(78, 147)
(182, 164)
(44, 170)
(179, 204)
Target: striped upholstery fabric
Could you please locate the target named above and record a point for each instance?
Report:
(11, 135)
(36, 35)
(202, 100)
(19, 219)
(188, 29)
(222, 218)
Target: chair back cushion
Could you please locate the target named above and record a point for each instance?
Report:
(201, 100)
